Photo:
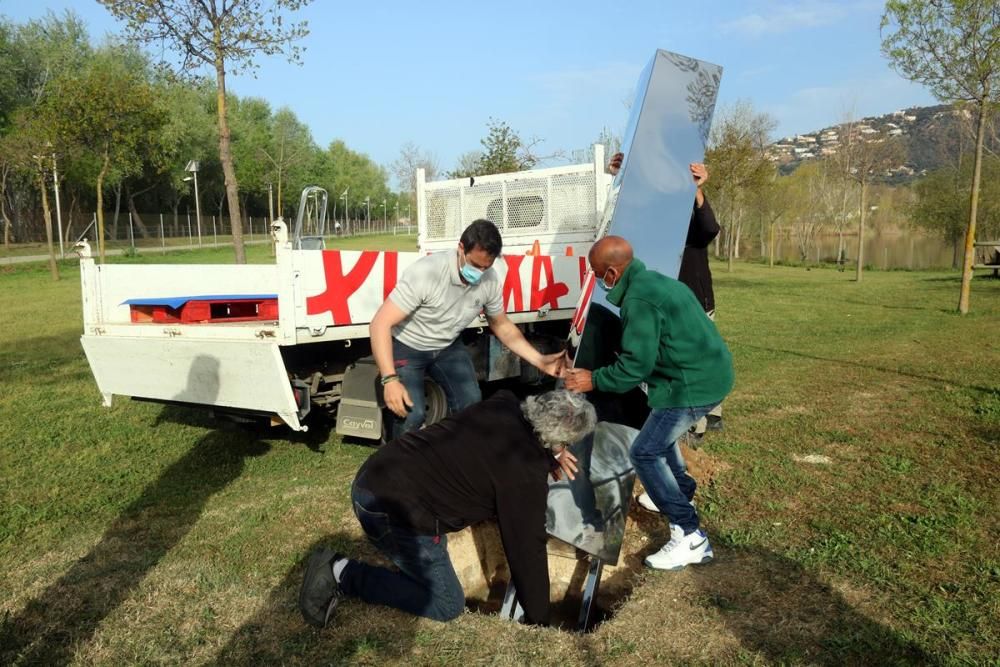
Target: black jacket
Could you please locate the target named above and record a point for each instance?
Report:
(483, 463)
(695, 272)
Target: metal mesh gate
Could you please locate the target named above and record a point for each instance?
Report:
(525, 206)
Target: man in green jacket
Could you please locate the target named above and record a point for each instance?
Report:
(672, 349)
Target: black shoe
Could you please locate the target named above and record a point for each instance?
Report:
(320, 593)
(714, 423)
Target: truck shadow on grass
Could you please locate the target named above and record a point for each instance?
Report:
(358, 632)
(62, 618)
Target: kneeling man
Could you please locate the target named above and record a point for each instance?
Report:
(489, 461)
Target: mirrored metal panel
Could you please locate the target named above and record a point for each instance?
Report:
(651, 198)
(589, 512)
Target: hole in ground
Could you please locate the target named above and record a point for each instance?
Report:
(477, 554)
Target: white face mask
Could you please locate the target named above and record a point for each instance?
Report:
(603, 282)
(471, 274)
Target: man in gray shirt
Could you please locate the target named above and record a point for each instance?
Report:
(417, 330)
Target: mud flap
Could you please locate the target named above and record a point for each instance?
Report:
(360, 410)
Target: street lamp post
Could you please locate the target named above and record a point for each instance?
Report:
(192, 166)
(55, 186)
(368, 213)
(384, 223)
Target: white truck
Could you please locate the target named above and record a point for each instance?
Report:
(279, 341)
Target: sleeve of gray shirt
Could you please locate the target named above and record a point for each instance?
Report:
(493, 301)
(411, 289)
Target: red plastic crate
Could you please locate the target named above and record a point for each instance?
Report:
(209, 311)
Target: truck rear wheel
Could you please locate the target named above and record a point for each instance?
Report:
(435, 409)
(435, 402)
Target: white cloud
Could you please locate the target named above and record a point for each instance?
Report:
(783, 18)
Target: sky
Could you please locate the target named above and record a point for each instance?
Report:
(379, 74)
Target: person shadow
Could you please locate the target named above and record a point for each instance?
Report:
(67, 613)
(778, 609)
(358, 632)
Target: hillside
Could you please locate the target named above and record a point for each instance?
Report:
(932, 137)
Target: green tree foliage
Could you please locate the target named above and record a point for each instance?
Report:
(29, 148)
(32, 55)
(953, 48)
(942, 204)
(504, 151)
(225, 36)
(42, 61)
(341, 170)
(112, 113)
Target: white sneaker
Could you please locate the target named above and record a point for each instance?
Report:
(691, 549)
(647, 503)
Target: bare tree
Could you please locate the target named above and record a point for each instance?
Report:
(953, 48)
(862, 159)
(412, 157)
(224, 35)
(737, 156)
(468, 165)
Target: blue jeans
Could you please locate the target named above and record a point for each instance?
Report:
(451, 368)
(426, 583)
(660, 466)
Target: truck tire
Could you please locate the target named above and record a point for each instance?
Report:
(435, 409)
(435, 402)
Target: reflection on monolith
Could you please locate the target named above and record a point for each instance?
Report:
(589, 512)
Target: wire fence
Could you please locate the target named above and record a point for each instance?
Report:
(169, 230)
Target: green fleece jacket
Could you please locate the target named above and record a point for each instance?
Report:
(668, 342)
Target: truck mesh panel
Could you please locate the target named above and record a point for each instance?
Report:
(545, 204)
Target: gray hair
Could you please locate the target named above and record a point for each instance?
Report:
(559, 417)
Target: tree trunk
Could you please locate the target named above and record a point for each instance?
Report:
(74, 199)
(770, 244)
(226, 157)
(136, 218)
(3, 207)
(281, 208)
(861, 231)
(970, 232)
(100, 207)
(53, 267)
(732, 239)
(118, 208)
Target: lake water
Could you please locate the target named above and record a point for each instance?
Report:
(882, 251)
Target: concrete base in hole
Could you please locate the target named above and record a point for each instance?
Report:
(478, 557)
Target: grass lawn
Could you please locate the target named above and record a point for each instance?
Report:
(150, 534)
